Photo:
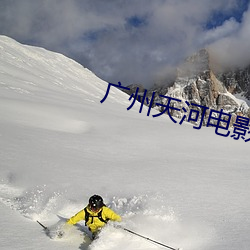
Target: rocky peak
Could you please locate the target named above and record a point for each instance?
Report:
(197, 64)
(197, 83)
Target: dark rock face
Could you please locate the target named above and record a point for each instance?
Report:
(237, 81)
(133, 88)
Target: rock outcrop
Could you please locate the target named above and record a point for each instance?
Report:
(197, 84)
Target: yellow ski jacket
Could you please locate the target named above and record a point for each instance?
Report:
(94, 223)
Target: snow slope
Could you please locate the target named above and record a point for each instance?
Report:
(59, 145)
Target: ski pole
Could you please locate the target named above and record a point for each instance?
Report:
(45, 228)
(146, 238)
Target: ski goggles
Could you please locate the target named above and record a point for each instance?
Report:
(94, 208)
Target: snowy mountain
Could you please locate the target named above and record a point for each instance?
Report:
(59, 145)
(201, 85)
(197, 83)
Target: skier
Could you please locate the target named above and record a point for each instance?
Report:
(95, 214)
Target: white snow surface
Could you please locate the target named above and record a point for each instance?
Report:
(59, 145)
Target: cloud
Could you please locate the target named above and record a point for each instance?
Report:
(129, 41)
(228, 28)
(233, 49)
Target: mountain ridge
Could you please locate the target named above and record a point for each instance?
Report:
(198, 82)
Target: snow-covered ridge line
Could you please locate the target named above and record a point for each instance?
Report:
(33, 74)
(25, 68)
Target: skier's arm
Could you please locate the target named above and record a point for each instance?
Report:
(110, 214)
(77, 217)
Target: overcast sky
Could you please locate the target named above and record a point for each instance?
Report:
(132, 41)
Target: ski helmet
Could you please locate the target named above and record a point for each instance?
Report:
(95, 202)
